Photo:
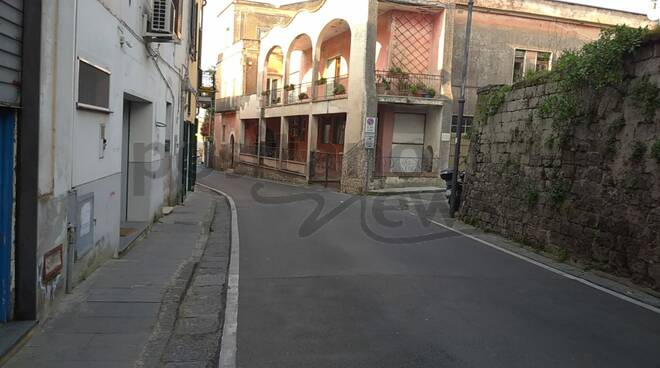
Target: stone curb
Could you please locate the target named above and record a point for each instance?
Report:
(228, 345)
(169, 309)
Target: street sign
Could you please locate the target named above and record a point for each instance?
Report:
(370, 125)
(369, 141)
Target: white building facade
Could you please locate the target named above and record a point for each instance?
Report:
(117, 101)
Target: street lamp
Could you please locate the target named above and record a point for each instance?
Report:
(653, 12)
(461, 110)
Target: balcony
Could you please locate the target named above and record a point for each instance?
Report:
(231, 103)
(332, 87)
(272, 97)
(396, 82)
(296, 93)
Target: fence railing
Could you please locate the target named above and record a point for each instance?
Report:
(399, 83)
(332, 87)
(326, 166)
(248, 149)
(272, 97)
(405, 166)
(296, 155)
(270, 151)
(298, 92)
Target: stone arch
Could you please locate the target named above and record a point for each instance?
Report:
(334, 42)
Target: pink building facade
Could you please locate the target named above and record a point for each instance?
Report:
(325, 73)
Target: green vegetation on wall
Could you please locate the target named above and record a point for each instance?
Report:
(491, 103)
(645, 96)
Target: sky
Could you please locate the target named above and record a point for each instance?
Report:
(213, 7)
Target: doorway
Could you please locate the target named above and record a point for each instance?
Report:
(6, 209)
(231, 144)
(137, 159)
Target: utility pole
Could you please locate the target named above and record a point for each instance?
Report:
(461, 110)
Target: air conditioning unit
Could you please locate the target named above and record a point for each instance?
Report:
(160, 21)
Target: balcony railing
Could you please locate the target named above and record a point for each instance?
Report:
(332, 87)
(231, 103)
(272, 97)
(298, 92)
(400, 83)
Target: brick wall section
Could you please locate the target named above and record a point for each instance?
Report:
(610, 217)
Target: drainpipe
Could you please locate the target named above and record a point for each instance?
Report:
(461, 111)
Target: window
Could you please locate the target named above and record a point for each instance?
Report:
(327, 129)
(331, 128)
(407, 143)
(193, 30)
(527, 61)
(467, 124)
(93, 87)
(178, 10)
(333, 68)
(338, 132)
(224, 133)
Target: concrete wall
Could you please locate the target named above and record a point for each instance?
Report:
(105, 33)
(591, 197)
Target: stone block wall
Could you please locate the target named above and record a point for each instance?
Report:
(591, 194)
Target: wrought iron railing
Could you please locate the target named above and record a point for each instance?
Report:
(248, 149)
(272, 97)
(270, 151)
(405, 165)
(332, 87)
(400, 83)
(296, 155)
(326, 166)
(298, 92)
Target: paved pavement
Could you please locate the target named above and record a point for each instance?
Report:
(330, 280)
(159, 305)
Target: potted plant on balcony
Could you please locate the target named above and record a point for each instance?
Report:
(430, 92)
(383, 86)
(303, 96)
(321, 87)
(339, 89)
(397, 72)
(419, 89)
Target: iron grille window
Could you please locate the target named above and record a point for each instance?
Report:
(93, 86)
(467, 124)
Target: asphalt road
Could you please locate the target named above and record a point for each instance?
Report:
(351, 287)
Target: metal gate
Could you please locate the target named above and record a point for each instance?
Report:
(7, 118)
(326, 167)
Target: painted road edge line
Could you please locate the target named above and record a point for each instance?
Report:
(554, 270)
(228, 346)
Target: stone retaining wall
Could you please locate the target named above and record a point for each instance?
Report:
(591, 195)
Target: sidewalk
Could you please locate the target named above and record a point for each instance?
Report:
(159, 305)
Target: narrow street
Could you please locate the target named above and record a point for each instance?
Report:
(352, 292)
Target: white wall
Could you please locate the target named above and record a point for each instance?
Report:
(106, 33)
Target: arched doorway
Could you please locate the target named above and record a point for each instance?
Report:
(232, 149)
